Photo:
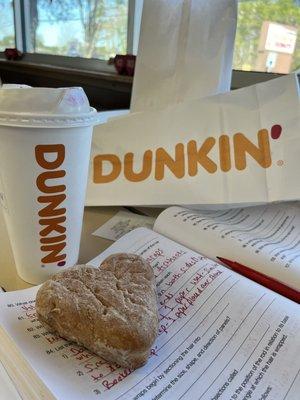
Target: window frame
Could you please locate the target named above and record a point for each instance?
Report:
(22, 38)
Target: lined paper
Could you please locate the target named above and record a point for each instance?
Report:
(220, 336)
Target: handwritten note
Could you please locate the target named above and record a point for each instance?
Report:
(266, 238)
(220, 336)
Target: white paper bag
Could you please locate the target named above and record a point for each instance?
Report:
(185, 51)
(234, 148)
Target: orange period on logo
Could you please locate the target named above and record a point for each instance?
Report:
(52, 218)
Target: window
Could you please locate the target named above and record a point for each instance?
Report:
(78, 28)
(266, 38)
(7, 29)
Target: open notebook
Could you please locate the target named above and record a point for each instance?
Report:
(265, 238)
(221, 336)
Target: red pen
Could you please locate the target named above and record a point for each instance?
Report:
(263, 279)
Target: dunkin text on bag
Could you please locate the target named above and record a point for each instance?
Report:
(190, 159)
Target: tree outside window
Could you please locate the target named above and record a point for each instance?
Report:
(7, 30)
(84, 28)
(258, 20)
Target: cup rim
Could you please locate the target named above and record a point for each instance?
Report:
(43, 120)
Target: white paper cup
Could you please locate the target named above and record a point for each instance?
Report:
(44, 160)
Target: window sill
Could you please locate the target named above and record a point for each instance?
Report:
(105, 88)
(29, 66)
(242, 79)
(101, 82)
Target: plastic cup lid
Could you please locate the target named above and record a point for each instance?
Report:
(25, 106)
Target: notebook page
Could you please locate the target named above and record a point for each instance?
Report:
(220, 336)
(265, 238)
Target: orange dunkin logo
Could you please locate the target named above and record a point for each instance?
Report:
(52, 218)
(189, 158)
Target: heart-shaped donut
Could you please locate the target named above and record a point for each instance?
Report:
(110, 310)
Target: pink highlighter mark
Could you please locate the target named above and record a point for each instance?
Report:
(276, 131)
(61, 263)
